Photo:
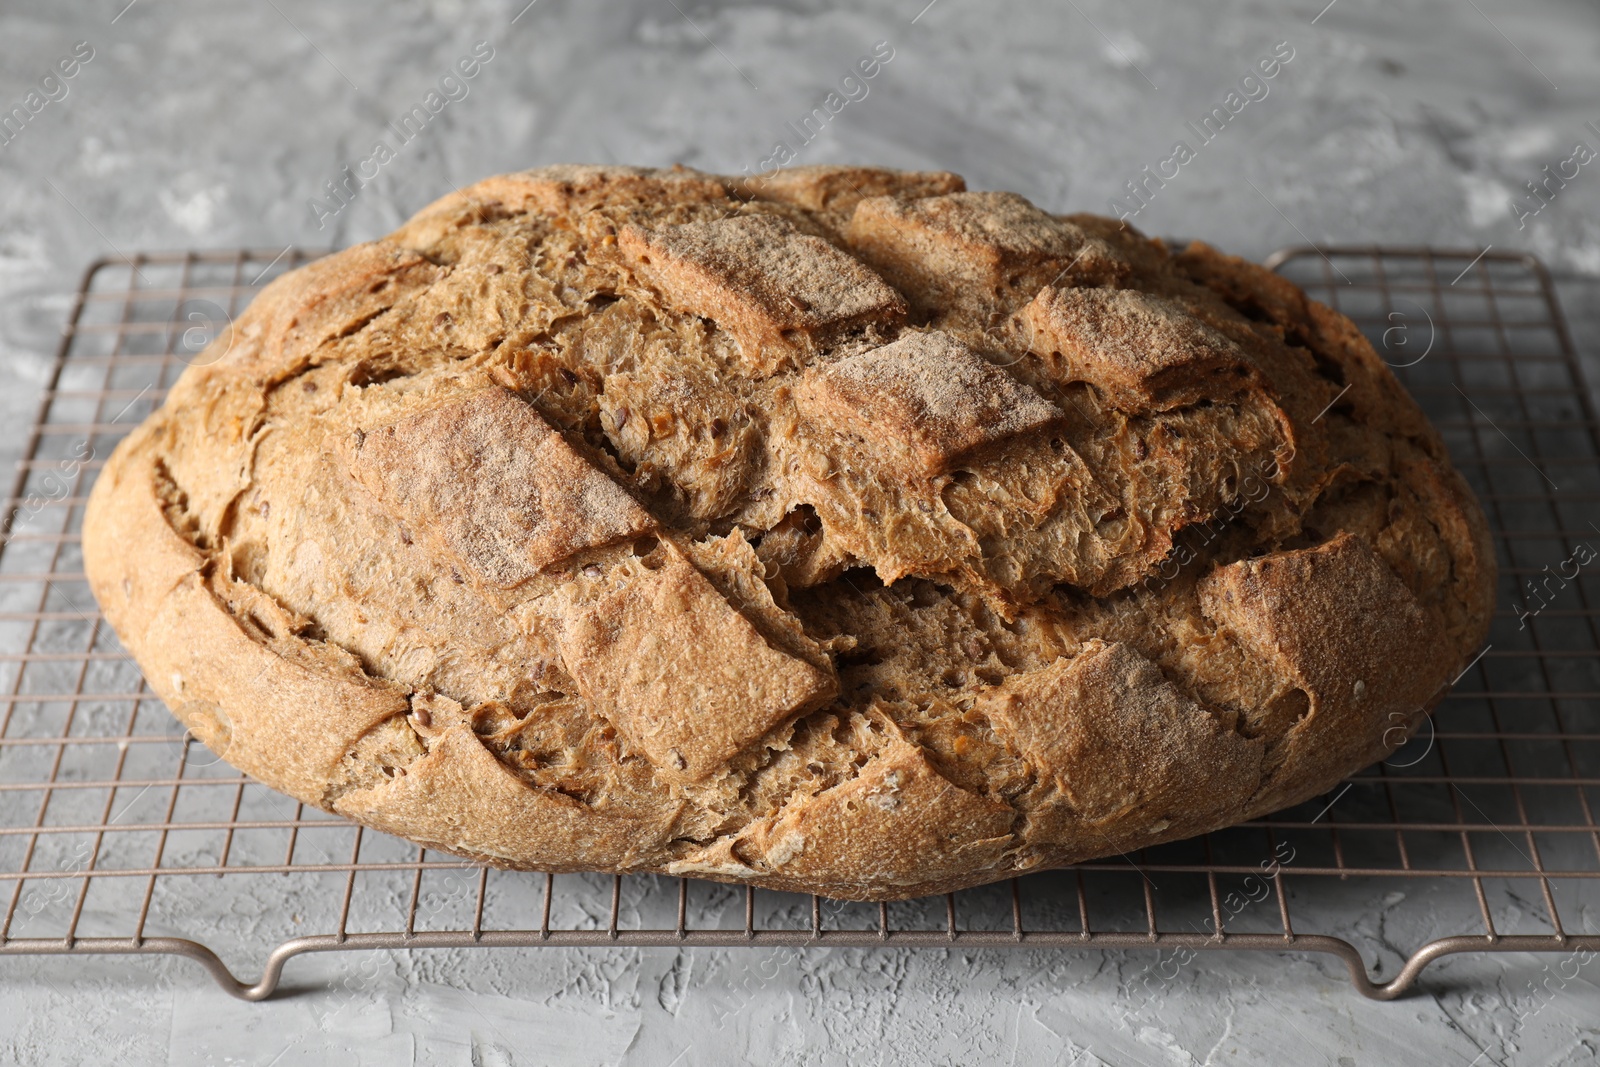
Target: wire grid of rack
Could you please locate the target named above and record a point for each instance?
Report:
(120, 834)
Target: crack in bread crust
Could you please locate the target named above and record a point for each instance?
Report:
(845, 532)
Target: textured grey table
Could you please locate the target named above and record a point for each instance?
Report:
(211, 126)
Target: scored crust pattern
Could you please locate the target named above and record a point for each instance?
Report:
(843, 531)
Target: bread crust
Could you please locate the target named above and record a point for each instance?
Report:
(844, 533)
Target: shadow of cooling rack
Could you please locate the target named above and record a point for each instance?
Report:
(119, 834)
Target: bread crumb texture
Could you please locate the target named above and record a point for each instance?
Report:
(842, 532)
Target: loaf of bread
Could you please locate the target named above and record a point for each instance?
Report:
(839, 531)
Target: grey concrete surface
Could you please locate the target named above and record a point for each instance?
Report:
(197, 125)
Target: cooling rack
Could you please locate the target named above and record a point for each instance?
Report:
(121, 834)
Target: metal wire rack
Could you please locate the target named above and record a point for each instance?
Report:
(119, 833)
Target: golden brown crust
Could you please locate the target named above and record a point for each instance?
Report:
(974, 250)
(1115, 746)
(836, 530)
(443, 795)
(1344, 632)
(686, 677)
(493, 486)
(833, 190)
(1140, 350)
(780, 293)
(896, 823)
(232, 668)
(927, 394)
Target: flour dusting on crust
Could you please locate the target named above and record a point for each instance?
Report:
(846, 532)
